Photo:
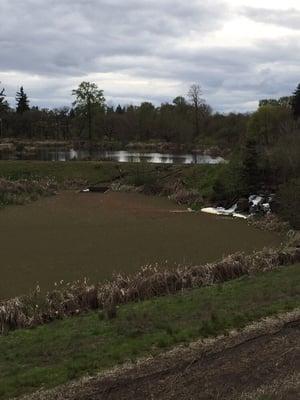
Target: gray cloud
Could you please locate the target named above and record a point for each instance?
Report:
(74, 36)
(138, 50)
(285, 18)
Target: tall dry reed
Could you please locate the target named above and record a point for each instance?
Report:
(150, 281)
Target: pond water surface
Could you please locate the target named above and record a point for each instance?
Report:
(62, 154)
(74, 235)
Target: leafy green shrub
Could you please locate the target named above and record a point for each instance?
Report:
(228, 185)
(140, 176)
(289, 202)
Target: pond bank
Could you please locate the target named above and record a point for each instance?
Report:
(31, 145)
(87, 344)
(73, 235)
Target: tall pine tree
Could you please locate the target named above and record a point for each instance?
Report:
(296, 102)
(3, 103)
(250, 171)
(22, 101)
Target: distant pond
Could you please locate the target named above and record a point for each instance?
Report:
(62, 154)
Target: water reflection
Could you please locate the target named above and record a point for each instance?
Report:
(62, 154)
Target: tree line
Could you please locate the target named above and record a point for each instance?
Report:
(267, 159)
(184, 120)
(187, 120)
(264, 145)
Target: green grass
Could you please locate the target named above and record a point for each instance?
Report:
(201, 177)
(60, 171)
(92, 171)
(63, 350)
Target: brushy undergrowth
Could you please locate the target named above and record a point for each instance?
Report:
(269, 222)
(22, 191)
(73, 298)
(175, 191)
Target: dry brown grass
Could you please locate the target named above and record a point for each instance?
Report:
(186, 196)
(269, 222)
(150, 281)
(278, 390)
(22, 191)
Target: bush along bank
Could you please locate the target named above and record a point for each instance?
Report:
(195, 186)
(151, 281)
(23, 191)
(212, 189)
(260, 210)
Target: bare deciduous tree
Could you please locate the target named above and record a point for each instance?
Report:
(197, 102)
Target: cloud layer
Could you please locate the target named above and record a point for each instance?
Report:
(138, 50)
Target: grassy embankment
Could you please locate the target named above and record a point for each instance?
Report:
(189, 184)
(59, 171)
(52, 354)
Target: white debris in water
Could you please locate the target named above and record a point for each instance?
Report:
(223, 211)
(257, 203)
(239, 215)
(255, 200)
(266, 207)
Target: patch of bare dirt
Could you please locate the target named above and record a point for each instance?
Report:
(262, 359)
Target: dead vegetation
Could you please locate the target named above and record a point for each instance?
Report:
(150, 281)
(178, 194)
(269, 222)
(287, 388)
(25, 190)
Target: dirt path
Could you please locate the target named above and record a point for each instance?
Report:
(263, 358)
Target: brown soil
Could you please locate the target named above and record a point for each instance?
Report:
(263, 359)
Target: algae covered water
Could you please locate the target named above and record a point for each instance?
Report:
(74, 235)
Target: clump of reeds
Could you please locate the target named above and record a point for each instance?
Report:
(150, 281)
(293, 238)
(186, 196)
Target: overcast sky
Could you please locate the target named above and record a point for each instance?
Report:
(239, 51)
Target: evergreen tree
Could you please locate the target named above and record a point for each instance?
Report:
(3, 103)
(22, 101)
(120, 110)
(296, 102)
(250, 170)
